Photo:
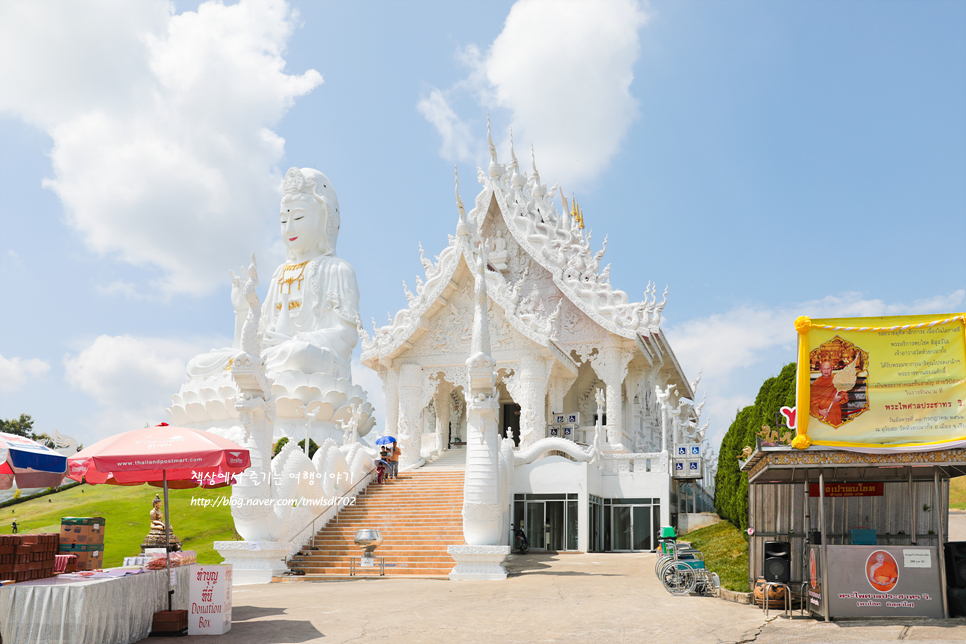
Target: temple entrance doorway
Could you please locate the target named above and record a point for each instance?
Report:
(550, 520)
(510, 425)
(631, 525)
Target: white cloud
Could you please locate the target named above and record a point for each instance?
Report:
(132, 378)
(129, 291)
(15, 372)
(739, 349)
(458, 142)
(163, 154)
(563, 70)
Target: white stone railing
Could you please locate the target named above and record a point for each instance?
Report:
(332, 512)
(650, 462)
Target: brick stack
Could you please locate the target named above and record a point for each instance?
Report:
(84, 537)
(27, 556)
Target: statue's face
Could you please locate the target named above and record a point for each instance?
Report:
(301, 220)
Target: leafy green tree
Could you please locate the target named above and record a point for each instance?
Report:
(731, 485)
(22, 426)
(283, 441)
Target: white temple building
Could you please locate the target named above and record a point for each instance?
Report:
(559, 333)
(515, 362)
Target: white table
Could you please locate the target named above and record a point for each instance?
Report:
(68, 610)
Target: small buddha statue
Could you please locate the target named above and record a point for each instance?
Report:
(155, 538)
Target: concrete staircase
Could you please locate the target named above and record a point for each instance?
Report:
(418, 514)
(450, 460)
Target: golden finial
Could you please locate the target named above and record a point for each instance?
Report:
(576, 213)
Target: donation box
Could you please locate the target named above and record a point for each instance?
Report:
(209, 600)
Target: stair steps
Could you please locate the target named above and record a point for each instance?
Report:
(419, 516)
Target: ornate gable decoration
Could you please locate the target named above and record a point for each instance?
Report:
(533, 235)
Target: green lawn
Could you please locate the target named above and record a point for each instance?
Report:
(725, 552)
(126, 510)
(957, 493)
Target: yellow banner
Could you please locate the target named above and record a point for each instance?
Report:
(891, 382)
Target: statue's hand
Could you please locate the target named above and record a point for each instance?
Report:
(238, 300)
(271, 338)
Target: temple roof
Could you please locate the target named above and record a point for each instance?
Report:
(516, 211)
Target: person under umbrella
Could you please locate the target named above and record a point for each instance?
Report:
(385, 455)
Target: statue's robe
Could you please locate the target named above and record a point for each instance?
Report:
(883, 576)
(822, 396)
(324, 311)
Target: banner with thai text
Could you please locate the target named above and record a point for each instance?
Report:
(894, 383)
(842, 490)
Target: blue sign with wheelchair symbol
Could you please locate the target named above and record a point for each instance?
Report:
(695, 450)
(693, 466)
(679, 467)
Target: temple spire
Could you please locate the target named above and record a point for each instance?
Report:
(489, 139)
(459, 200)
(515, 179)
(495, 169)
(462, 227)
(576, 214)
(514, 166)
(533, 157)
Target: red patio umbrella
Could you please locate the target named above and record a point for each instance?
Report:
(164, 456)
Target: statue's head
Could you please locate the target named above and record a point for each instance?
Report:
(309, 213)
(157, 500)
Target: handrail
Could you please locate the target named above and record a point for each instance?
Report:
(335, 507)
(346, 493)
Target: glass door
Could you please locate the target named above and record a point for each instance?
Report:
(596, 519)
(630, 525)
(641, 526)
(556, 537)
(536, 525)
(621, 531)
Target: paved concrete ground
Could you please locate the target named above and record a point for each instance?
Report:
(612, 598)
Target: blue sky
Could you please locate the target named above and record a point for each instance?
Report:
(763, 159)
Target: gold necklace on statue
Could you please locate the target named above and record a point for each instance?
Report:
(289, 277)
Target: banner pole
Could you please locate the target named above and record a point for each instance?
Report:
(940, 511)
(821, 520)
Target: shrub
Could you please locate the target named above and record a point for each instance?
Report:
(731, 485)
(282, 442)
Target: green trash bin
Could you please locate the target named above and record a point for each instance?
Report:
(667, 532)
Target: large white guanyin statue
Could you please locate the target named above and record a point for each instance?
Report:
(307, 328)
